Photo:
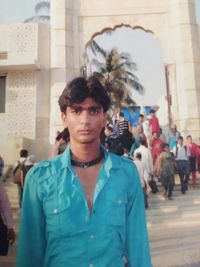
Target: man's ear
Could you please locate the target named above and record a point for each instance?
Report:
(64, 119)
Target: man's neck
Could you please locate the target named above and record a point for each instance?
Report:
(84, 152)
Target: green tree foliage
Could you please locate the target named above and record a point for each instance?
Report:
(116, 71)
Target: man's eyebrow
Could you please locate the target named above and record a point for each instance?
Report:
(97, 106)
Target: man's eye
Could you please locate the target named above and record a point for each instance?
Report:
(76, 110)
(94, 110)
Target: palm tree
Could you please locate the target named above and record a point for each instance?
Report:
(115, 71)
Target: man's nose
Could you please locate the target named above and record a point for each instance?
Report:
(85, 117)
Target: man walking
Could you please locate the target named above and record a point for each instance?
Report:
(182, 161)
(84, 207)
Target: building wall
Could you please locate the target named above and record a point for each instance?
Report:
(25, 123)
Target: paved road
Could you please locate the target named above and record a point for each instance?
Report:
(174, 229)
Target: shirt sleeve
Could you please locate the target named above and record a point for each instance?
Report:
(5, 208)
(137, 243)
(32, 241)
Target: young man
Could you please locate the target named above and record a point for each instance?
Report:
(84, 207)
(182, 161)
(125, 132)
(23, 157)
(193, 148)
(172, 137)
(146, 158)
(143, 177)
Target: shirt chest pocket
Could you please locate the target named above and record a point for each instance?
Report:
(57, 212)
(62, 216)
(116, 210)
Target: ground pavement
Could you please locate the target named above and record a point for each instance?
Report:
(174, 228)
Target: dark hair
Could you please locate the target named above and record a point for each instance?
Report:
(141, 116)
(138, 155)
(142, 142)
(165, 145)
(79, 89)
(180, 138)
(152, 111)
(23, 153)
(189, 136)
(121, 114)
(64, 135)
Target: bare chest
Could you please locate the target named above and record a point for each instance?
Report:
(88, 178)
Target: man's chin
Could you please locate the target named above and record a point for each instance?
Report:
(87, 141)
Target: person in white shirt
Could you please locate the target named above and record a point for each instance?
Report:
(143, 177)
(146, 158)
(182, 162)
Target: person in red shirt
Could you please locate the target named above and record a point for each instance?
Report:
(193, 158)
(156, 146)
(154, 123)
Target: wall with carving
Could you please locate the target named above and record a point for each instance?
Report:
(25, 122)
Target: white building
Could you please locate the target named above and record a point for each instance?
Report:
(36, 61)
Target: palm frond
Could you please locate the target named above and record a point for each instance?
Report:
(135, 85)
(125, 56)
(97, 63)
(95, 47)
(131, 75)
(126, 65)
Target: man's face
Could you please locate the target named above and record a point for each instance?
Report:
(141, 119)
(155, 135)
(180, 141)
(166, 149)
(85, 121)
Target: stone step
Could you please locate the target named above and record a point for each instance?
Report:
(165, 243)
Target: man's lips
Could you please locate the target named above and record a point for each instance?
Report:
(84, 131)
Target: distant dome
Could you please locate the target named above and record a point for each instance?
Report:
(42, 8)
(42, 13)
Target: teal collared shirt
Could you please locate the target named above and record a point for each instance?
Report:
(58, 230)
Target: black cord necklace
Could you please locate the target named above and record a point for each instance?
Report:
(87, 164)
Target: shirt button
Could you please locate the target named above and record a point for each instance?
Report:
(86, 218)
(119, 201)
(55, 210)
(91, 237)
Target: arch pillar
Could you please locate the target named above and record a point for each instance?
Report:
(183, 70)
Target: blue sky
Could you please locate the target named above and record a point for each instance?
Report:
(12, 11)
(197, 2)
(19, 10)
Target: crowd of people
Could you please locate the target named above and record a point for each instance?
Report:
(162, 153)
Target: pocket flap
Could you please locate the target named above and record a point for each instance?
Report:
(56, 205)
